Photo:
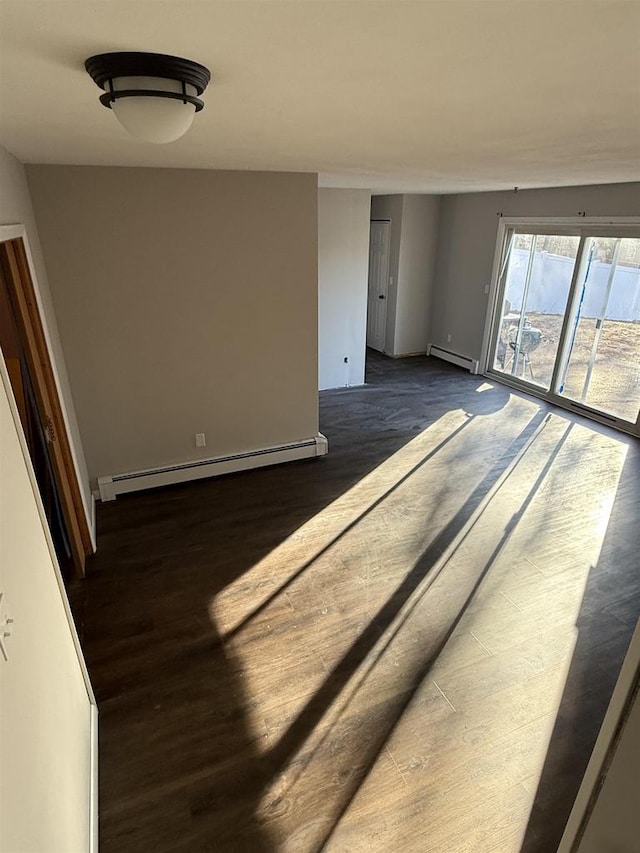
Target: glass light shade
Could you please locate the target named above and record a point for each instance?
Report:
(153, 119)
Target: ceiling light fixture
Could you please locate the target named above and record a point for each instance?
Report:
(153, 96)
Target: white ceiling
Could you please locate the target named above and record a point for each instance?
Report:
(422, 96)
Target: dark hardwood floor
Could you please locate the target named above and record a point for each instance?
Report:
(408, 645)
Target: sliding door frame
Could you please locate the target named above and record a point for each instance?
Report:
(580, 226)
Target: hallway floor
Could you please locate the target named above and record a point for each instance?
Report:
(408, 645)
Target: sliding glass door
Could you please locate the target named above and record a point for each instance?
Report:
(537, 274)
(566, 320)
(602, 366)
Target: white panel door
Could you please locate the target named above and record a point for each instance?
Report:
(379, 245)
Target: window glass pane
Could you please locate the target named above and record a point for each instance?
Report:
(603, 370)
(538, 278)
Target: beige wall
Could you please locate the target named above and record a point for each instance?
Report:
(187, 303)
(467, 241)
(16, 209)
(45, 708)
(343, 267)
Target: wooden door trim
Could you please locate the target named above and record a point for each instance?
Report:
(19, 280)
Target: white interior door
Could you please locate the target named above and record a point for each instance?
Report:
(379, 246)
(48, 717)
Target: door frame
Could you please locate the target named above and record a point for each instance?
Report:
(21, 280)
(550, 224)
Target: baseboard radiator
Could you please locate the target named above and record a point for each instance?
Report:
(471, 364)
(118, 484)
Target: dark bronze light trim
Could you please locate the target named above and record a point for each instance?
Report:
(106, 67)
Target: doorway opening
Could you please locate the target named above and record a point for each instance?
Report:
(565, 319)
(26, 355)
(378, 293)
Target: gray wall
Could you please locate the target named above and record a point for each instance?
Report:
(418, 247)
(16, 209)
(467, 241)
(343, 263)
(187, 303)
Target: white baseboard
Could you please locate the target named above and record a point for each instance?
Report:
(117, 484)
(471, 364)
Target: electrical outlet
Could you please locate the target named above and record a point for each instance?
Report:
(201, 440)
(346, 359)
(486, 288)
(448, 339)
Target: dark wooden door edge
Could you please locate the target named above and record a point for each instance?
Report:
(20, 284)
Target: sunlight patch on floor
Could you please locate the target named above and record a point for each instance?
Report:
(392, 664)
(353, 583)
(319, 533)
(477, 754)
(442, 694)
